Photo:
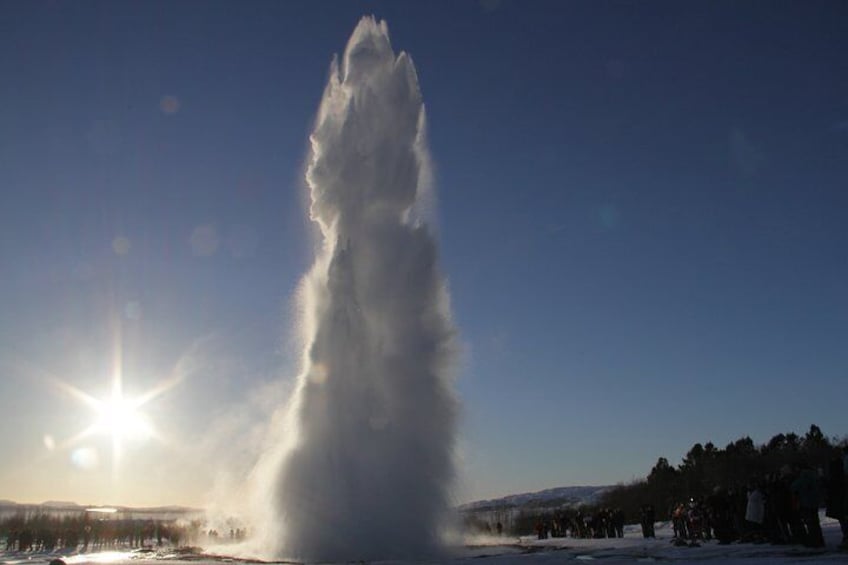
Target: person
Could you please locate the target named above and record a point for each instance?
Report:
(844, 522)
(678, 521)
(836, 496)
(755, 511)
(779, 506)
(721, 513)
(808, 497)
(499, 528)
(647, 520)
(695, 519)
(618, 522)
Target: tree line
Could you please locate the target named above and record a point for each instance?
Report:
(45, 532)
(706, 467)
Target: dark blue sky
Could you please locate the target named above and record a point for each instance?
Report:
(641, 208)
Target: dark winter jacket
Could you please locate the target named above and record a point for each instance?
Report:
(806, 489)
(836, 490)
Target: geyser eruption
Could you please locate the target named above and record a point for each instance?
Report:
(367, 473)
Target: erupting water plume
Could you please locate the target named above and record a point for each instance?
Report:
(370, 464)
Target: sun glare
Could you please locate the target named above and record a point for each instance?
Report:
(121, 418)
(116, 416)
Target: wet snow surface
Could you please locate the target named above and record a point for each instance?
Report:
(491, 550)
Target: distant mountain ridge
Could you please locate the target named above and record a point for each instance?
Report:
(548, 498)
(59, 504)
(65, 506)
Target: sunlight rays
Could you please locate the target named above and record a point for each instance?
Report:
(116, 415)
(119, 416)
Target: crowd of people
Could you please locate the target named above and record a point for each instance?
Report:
(604, 523)
(779, 508)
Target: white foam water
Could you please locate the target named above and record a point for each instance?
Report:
(370, 460)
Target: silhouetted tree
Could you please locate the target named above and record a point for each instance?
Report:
(705, 467)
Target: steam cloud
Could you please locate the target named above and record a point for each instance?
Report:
(367, 473)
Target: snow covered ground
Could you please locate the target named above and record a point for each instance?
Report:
(490, 550)
(633, 548)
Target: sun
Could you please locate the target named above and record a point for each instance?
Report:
(115, 415)
(121, 418)
(118, 416)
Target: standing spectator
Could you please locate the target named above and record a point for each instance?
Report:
(797, 533)
(618, 522)
(647, 520)
(808, 497)
(721, 513)
(755, 511)
(678, 521)
(836, 494)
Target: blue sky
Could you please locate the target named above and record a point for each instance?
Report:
(641, 209)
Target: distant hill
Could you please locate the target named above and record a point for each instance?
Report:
(63, 507)
(548, 498)
(60, 504)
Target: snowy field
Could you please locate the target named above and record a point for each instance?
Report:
(489, 550)
(633, 548)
